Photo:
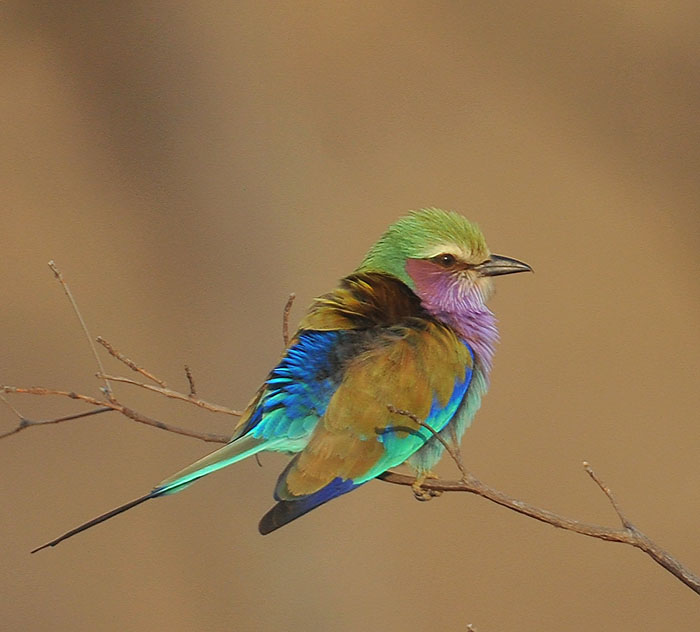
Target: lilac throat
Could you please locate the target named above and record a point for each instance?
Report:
(458, 305)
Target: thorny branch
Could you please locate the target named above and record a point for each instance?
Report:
(628, 533)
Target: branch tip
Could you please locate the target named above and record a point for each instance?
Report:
(628, 526)
(115, 353)
(57, 273)
(190, 381)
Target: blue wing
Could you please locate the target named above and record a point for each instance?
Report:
(297, 392)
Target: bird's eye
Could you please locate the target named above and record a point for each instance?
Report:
(445, 259)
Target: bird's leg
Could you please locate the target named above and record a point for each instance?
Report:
(420, 492)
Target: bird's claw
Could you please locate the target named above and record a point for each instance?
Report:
(420, 492)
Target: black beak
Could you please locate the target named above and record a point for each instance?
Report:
(497, 265)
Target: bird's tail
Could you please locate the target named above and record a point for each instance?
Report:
(227, 455)
(231, 453)
(97, 520)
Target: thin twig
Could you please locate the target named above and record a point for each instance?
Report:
(69, 294)
(214, 408)
(608, 492)
(190, 381)
(453, 451)
(25, 423)
(113, 404)
(16, 412)
(209, 437)
(285, 318)
(115, 353)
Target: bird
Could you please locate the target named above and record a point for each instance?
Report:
(407, 332)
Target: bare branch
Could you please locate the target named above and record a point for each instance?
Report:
(40, 390)
(69, 294)
(113, 404)
(626, 535)
(25, 423)
(209, 437)
(130, 363)
(214, 408)
(608, 492)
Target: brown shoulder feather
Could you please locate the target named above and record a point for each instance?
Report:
(361, 301)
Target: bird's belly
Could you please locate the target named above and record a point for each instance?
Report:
(424, 459)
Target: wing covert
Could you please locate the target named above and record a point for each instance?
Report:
(298, 390)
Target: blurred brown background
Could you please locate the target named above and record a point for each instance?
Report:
(188, 166)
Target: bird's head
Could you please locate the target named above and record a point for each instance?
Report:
(441, 256)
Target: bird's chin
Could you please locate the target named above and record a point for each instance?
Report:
(484, 287)
(473, 291)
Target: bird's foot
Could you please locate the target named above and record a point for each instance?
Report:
(420, 492)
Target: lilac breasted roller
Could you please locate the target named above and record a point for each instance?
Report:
(409, 329)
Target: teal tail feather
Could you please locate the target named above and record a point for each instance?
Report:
(223, 457)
